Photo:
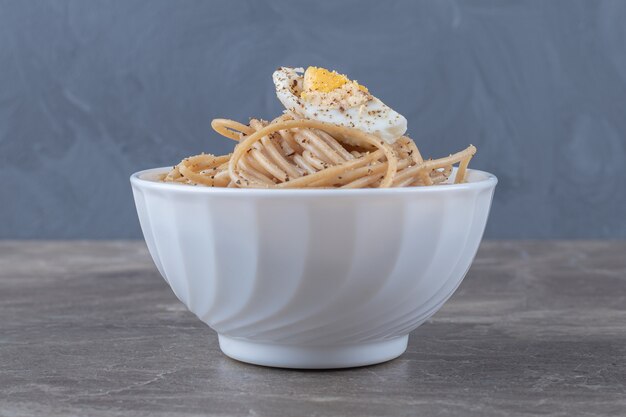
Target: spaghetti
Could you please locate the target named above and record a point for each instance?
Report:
(292, 152)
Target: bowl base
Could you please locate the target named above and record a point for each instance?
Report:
(313, 357)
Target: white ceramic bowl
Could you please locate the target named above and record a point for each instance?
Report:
(313, 278)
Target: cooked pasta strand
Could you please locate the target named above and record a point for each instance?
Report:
(292, 152)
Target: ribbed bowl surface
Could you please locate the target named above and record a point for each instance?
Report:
(313, 267)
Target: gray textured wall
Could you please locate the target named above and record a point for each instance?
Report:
(91, 91)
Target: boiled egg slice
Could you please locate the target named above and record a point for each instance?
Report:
(327, 96)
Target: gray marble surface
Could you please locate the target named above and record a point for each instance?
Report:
(90, 329)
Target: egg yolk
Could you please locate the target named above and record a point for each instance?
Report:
(324, 81)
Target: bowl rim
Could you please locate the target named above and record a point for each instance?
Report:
(489, 181)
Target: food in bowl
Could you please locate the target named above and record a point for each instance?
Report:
(312, 274)
(334, 134)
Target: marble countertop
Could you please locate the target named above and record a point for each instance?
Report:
(90, 328)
